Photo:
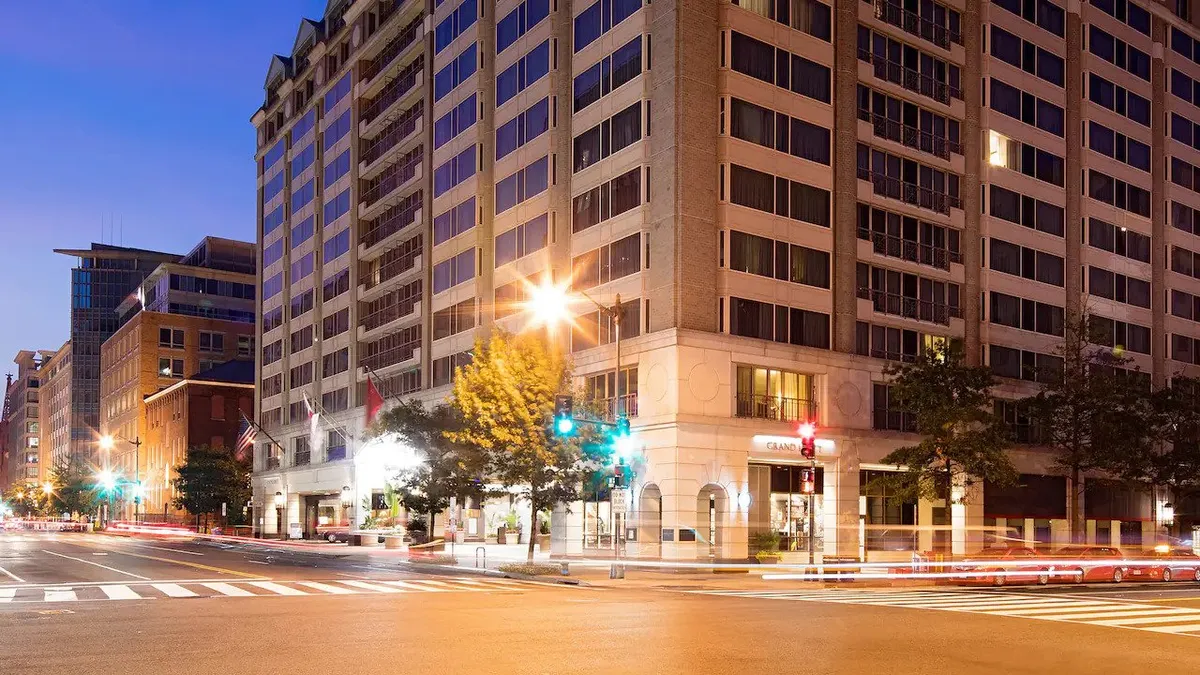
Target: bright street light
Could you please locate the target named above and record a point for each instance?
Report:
(548, 304)
(106, 480)
(107, 442)
(47, 488)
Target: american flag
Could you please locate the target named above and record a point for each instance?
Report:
(246, 436)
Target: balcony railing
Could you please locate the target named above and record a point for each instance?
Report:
(612, 406)
(390, 313)
(907, 307)
(912, 80)
(915, 24)
(395, 89)
(393, 134)
(302, 457)
(393, 177)
(910, 193)
(925, 141)
(768, 407)
(907, 249)
(392, 268)
(391, 221)
(407, 36)
(391, 356)
(272, 462)
(885, 419)
(335, 452)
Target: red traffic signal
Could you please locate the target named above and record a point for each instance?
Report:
(807, 430)
(808, 440)
(808, 481)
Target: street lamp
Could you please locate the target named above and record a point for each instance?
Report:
(279, 502)
(108, 442)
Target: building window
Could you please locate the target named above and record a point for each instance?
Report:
(212, 342)
(522, 185)
(787, 198)
(529, 69)
(765, 321)
(218, 407)
(170, 337)
(337, 362)
(245, 348)
(522, 240)
(608, 263)
(302, 451)
(523, 128)
(766, 393)
(1026, 262)
(890, 522)
(608, 75)
(335, 324)
(607, 200)
(445, 367)
(778, 259)
(1039, 317)
(450, 273)
(454, 319)
(335, 447)
(783, 69)
(300, 375)
(336, 401)
(887, 414)
(608, 137)
(168, 367)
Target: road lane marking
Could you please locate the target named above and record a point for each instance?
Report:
(371, 587)
(327, 588)
(208, 568)
(120, 592)
(1186, 628)
(12, 576)
(279, 589)
(59, 595)
(89, 562)
(1118, 613)
(174, 591)
(169, 550)
(1059, 608)
(229, 589)
(1147, 619)
(6, 594)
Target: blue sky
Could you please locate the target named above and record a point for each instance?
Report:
(130, 111)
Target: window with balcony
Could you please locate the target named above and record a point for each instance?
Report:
(908, 295)
(301, 451)
(909, 124)
(888, 415)
(905, 237)
(601, 390)
(767, 393)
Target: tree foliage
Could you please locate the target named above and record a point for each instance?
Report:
(1175, 460)
(73, 489)
(962, 442)
(505, 398)
(1093, 411)
(448, 469)
(210, 477)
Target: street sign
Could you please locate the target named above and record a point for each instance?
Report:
(223, 514)
(619, 499)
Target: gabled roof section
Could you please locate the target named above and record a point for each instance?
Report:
(335, 8)
(280, 68)
(309, 33)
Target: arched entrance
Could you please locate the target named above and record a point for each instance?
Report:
(649, 522)
(712, 505)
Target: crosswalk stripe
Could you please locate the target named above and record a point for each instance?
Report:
(1146, 620)
(229, 589)
(370, 587)
(949, 604)
(1050, 608)
(327, 588)
(999, 606)
(59, 595)
(1115, 614)
(277, 588)
(1186, 628)
(413, 586)
(120, 592)
(174, 591)
(6, 594)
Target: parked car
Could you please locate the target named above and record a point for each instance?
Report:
(1089, 563)
(1177, 564)
(334, 533)
(1005, 565)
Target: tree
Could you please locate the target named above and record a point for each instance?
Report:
(73, 489)
(448, 469)
(210, 477)
(505, 398)
(1174, 459)
(962, 440)
(1093, 411)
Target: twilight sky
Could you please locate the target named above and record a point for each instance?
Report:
(130, 111)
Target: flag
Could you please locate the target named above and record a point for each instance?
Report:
(246, 436)
(374, 400)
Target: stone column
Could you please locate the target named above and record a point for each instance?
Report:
(972, 144)
(1158, 209)
(680, 513)
(841, 503)
(1074, 170)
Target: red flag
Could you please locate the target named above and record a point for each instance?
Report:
(374, 400)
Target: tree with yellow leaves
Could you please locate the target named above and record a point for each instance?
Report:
(505, 397)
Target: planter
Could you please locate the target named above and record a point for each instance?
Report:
(543, 543)
(767, 559)
(393, 542)
(503, 536)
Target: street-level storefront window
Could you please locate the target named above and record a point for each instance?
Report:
(766, 393)
(780, 505)
(889, 522)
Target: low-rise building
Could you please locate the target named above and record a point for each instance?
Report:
(24, 421)
(207, 408)
(55, 396)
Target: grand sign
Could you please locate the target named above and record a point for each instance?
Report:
(790, 445)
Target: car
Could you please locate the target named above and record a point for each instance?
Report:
(333, 533)
(1078, 564)
(1177, 564)
(1005, 565)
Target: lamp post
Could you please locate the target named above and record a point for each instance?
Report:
(549, 305)
(279, 502)
(108, 442)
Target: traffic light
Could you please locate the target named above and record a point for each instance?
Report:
(808, 482)
(564, 415)
(622, 426)
(808, 440)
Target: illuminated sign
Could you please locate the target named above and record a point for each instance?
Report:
(790, 445)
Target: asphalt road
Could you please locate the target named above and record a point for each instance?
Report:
(186, 619)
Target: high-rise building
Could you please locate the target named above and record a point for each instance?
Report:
(55, 399)
(24, 419)
(105, 276)
(184, 318)
(787, 195)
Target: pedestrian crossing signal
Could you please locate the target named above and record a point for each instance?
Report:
(808, 482)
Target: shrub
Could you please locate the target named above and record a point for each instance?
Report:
(531, 569)
(765, 541)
